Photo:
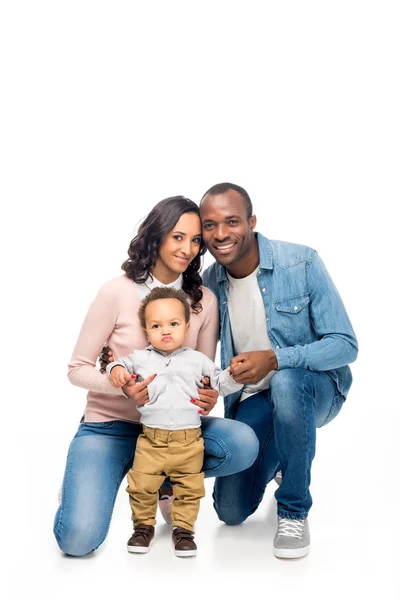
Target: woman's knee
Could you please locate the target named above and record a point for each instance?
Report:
(244, 447)
(230, 447)
(76, 538)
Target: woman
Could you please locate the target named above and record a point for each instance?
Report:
(166, 251)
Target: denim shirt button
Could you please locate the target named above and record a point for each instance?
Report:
(224, 302)
(277, 347)
(264, 289)
(295, 307)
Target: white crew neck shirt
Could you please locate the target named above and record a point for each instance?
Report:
(248, 323)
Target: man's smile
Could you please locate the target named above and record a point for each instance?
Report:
(224, 248)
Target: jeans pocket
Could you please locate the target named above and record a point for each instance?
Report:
(100, 424)
(336, 407)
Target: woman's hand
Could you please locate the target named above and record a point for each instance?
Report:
(207, 398)
(138, 391)
(106, 357)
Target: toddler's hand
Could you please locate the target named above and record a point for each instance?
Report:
(119, 377)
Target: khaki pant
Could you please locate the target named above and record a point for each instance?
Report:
(178, 454)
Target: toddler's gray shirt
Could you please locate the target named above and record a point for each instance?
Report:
(179, 374)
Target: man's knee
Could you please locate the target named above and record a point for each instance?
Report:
(287, 381)
(229, 515)
(230, 510)
(291, 391)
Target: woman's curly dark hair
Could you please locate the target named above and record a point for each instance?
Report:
(143, 249)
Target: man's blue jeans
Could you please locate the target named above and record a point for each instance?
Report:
(285, 419)
(101, 454)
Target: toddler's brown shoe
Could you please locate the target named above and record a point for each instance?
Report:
(183, 540)
(140, 539)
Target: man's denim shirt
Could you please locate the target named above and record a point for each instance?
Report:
(306, 320)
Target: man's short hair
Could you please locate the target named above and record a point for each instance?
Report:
(221, 188)
(162, 293)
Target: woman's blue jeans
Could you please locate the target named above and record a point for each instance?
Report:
(285, 419)
(101, 454)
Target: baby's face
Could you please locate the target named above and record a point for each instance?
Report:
(166, 327)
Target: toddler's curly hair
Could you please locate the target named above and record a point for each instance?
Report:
(162, 293)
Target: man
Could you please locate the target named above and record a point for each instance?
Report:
(286, 336)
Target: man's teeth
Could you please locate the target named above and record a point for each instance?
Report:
(225, 247)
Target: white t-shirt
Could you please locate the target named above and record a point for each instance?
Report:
(248, 323)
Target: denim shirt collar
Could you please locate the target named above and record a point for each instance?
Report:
(266, 257)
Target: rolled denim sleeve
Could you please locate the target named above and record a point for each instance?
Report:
(337, 344)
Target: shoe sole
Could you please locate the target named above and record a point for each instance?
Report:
(291, 553)
(183, 553)
(138, 549)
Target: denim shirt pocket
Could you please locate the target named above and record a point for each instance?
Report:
(292, 319)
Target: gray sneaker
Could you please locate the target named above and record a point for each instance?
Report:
(292, 539)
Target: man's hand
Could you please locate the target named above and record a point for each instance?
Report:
(251, 367)
(207, 398)
(106, 357)
(120, 376)
(138, 391)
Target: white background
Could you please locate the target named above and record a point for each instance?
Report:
(108, 107)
